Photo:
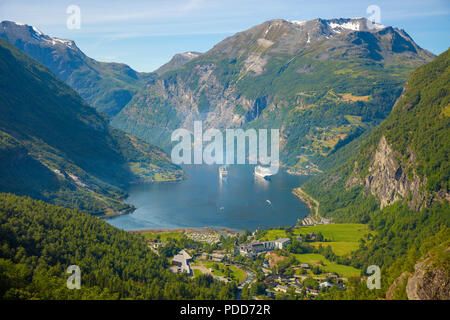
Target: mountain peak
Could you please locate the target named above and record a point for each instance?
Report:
(177, 61)
(291, 36)
(16, 31)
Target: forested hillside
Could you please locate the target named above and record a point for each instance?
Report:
(398, 182)
(55, 147)
(38, 241)
(405, 158)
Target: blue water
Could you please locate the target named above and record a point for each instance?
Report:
(238, 202)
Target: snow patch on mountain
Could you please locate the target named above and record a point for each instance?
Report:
(338, 27)
(300, 23)
(354, 25)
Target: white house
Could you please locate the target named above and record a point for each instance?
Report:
(182, 260)
(325, 284)
(282, 243)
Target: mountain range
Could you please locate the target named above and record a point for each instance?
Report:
(360, 105)
(323, 83)
(108, 87)
(55, 147)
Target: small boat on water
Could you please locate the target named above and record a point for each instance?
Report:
(223, 172)
(269, 202)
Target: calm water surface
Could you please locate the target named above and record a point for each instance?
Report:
(238, 202)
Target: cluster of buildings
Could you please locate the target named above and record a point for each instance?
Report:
(209, 237)
(253, 249)
(282, 284)
(312, 221)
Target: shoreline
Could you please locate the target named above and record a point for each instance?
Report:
(181, 229)
(131, 210)
(313, 205)
(184, 230)
(115, 214)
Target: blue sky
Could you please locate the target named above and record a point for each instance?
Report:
(146, 34)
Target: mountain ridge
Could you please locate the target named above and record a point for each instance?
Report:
(57, 148)
(322, 86)
(107, 86)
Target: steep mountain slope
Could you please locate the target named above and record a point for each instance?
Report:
(108, 87)
(398, 183)
(405, 158)
(55, 147)
(177, 61)
(322, 82)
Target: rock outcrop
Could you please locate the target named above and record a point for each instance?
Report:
(428, 282)
(388, 179)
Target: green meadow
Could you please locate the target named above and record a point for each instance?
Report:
(230, 272)
(339, 248)
(328, 266)
(347, 232)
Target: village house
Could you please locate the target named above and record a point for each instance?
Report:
(181, 260)
(325, 285)
(157, 245)
(253, 249)
(313, 292)
(282, 243)
(281, 288)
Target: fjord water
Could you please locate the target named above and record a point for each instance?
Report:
(240, 201)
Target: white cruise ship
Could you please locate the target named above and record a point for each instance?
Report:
(263, 172)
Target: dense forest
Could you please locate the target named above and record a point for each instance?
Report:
(38, 241)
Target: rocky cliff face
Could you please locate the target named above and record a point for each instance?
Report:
(391, 178)
(428, 282)
(388, 179)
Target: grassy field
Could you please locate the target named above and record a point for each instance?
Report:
(311, 258)
(328, 266)
(197, 272)
(236, 274)
(273, 235)
(344, 237)
(346, 271)
(340, 248)
(347, 232)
